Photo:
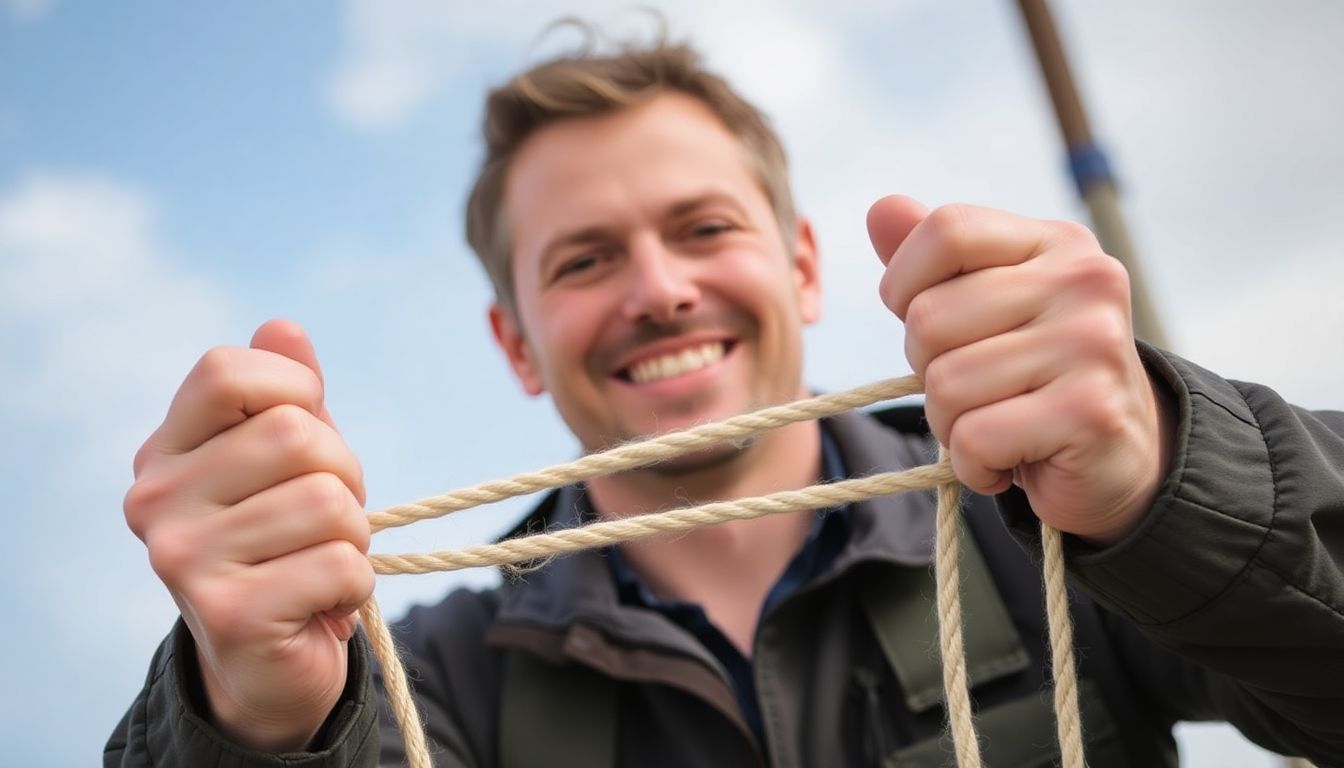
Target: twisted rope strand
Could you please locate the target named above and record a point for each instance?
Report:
(1068, 721)
(394, 680)
(646, 452)
(529, 548)
(600, 534)
(947, 576)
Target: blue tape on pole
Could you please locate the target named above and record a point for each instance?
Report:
(1089, 166)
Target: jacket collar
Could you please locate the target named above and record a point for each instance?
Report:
(899, 528)
(579, 589)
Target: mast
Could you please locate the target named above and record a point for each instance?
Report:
(1089, 166)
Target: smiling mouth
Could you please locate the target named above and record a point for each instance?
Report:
(676, 363)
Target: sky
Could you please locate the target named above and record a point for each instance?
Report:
(172, 175)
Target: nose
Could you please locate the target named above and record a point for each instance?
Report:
(661, 285)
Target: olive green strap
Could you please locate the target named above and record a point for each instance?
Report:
(900, 607)
(1021, 734)
(555, 716)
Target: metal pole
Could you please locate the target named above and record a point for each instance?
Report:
(1091, 171)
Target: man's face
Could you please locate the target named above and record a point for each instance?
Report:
(653, 286)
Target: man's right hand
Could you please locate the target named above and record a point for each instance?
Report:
(251, 506)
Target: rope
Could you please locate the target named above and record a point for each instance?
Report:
(947, 575)
(1067, 720)
(645, 452)
(394, 679)
(527, 549)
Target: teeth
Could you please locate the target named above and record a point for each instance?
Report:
(667, 366)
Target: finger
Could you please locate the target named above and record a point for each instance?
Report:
(890, 221)
(270, 448)
(957, 239)
(227, 386)
(287, 338)
(279, 597)
(333, 578)
(989, 371)
(972, 307)
(988, 443)
(294, 515)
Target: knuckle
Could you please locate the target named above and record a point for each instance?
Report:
(938, 423)
(1075, 233)
(948, 226)
(965, 462)
(1103, 274)
(326, 496)
(356, 478)
(222, 610)
(921, 317)
(1098, 274)
(216, 373)
(172, 553)
(344, 559)
(1103, 333)
(336, 510)
(142, 501)
(289, 429)
(143, 456)
(917, 355)
(362, 579)
(939, 379)
(889, 292)
(1102, 405)
(963, 438)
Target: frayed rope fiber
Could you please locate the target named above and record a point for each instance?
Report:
(526, 549)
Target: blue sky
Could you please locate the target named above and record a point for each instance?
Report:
(171, 175)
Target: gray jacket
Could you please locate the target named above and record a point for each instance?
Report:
(1227, 603)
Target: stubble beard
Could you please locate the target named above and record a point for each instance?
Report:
(715, 458)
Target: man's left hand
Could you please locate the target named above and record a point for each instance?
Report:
(1021, 332)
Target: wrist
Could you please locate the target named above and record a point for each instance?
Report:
(1164, 415)
(296, 728)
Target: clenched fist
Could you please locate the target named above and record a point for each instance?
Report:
(1020, 330)
(250, 505)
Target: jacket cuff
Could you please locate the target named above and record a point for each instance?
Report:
(1210, 518)
(348, 735)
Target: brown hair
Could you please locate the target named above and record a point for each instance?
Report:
(583, 84)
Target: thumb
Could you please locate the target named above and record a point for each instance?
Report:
(287, 338)
(891, 220)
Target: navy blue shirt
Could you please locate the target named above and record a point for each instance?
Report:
(825, 540)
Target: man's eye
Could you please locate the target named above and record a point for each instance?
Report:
(579, 264)
(710, 228)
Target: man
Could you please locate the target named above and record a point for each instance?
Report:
(634, 216)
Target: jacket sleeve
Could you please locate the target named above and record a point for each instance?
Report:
(1239, 566)
(164, 727)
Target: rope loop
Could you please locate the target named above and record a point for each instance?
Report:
(744, 427)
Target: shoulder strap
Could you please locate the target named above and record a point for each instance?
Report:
(901, 611)
(555, 715)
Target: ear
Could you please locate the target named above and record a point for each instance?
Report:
(509, 337)
(807, 272)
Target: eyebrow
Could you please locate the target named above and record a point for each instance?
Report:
(598, 233)
(702, 200)
(583, 236)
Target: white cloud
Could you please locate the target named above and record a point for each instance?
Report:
(28, 10)
(99, 323)
(1283, 330)
(397, 54)
(401, 55)
(104, 319)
